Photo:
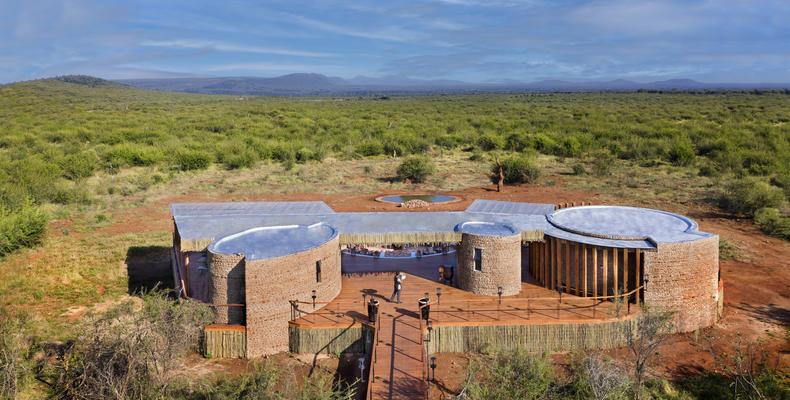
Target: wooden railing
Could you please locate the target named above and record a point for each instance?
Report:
(537, 304)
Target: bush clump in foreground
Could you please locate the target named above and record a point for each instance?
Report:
(128, 352)
(749, 195)
(516, 170)
(21, 227)
(415, 169)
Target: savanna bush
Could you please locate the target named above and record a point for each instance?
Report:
(127, 352)
(369, 148)
(513, 375)
(602, 166)
(80, 165)
(749, 195)
(128, 154)
(416, 169)
(682, 153)
(22, 227)
(516, 170)
(489, 142)
(772, 222)
(189, 160)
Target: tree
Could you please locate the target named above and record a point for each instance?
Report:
(650, 332)
(415, 169)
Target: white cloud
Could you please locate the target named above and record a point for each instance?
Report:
(222, 46)
(393, 34)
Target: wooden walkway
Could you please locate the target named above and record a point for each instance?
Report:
(399, 363)
(398, 368)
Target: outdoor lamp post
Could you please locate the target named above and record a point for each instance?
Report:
(427, 348)
(499, 292)
(364, 298)
(313, 296)
(361, 367)
(433, 368)
(438, 296)
(559, 291)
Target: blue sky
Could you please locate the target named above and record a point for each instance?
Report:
(472, 40)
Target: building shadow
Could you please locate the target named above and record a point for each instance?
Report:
(770, 313)
(148, 267)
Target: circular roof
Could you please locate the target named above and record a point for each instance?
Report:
(274, 241)
(615, 222)
(486, 229)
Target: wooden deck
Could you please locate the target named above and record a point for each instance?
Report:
(399, 362)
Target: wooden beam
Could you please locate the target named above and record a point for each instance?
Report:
(625, 272)
(557, 266)
(567, 267)
(584, 263)
(638, 272)
(615, 270)
(595, 270)
(604, 251)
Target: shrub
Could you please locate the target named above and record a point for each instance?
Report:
(132, 155)
(369, 148)
(193, 160)
(489, 142)
(304, 155)
(682, 154)
(749, 195)
(516, 170)
(570, 147)
(772, 222)
(603, 164)
(244, 159)
(127, 352)
(22, 227)
(543, 144)
(416, 169)
(516, 142)
(13, 347)
(578, 169)
(513, 375)
(79, 166)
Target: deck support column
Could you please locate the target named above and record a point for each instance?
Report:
(584, 272)
(605, 251)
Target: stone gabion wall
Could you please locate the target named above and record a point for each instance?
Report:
(683, 277)
(226, 286)
(270, 283)
(501, 264)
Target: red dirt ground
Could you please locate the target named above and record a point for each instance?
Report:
(756, 283)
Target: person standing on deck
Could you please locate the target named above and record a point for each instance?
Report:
(399, 277)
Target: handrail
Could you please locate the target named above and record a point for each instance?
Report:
(521, 301)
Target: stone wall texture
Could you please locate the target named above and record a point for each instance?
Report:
(226, 286)
(501, 264)
(270, 283)
(683, 277)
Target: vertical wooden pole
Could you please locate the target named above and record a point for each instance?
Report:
(579, 267)
(546, 261)
(638, 272)
(584, 272)
(567, 267)
(625, 273)
(595, 270)
(604, 251)
(615, 253)
(557, 254)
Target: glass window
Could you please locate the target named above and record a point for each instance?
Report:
(318, 271)
(478, 259)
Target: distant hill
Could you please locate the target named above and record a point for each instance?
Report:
(85, 80)
(317, 84)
